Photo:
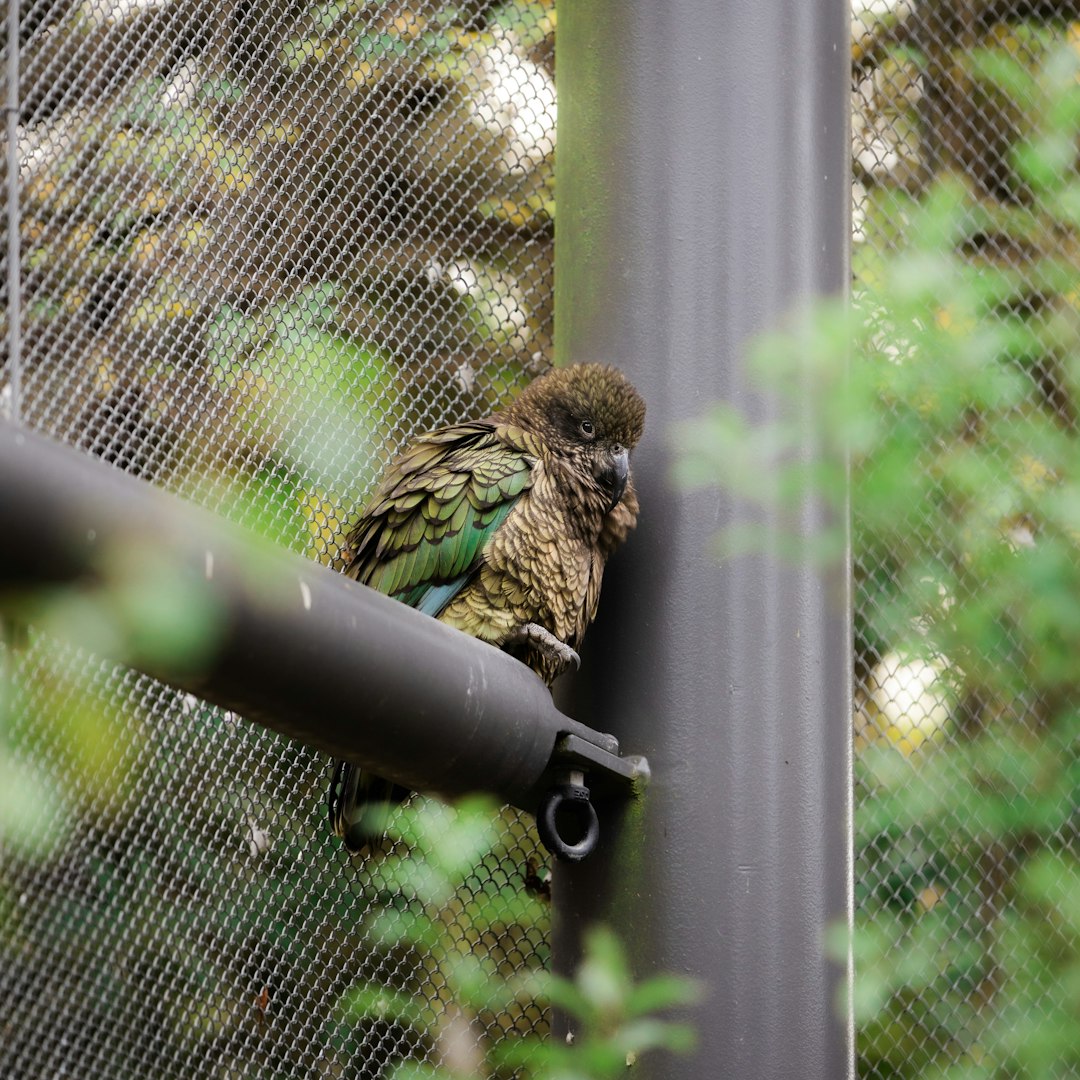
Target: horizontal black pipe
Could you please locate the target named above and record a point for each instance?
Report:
(288, 644)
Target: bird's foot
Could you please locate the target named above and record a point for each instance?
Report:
(547, 644)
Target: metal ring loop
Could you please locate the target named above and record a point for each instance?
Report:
(577, 798)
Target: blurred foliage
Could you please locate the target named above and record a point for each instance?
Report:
(946, 400)
(168, 909)
(262, 246)
(438, 908)
(612, 1018)
(245, 231)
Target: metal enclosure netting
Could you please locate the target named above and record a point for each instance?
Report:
(970, 960)
(261, 247)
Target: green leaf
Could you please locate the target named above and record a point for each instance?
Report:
(33, 808)
(603, 976)
(662, 992)
(392, 928)
(374, 1002)
(645, 1034)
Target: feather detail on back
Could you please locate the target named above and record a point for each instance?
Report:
(422, 536)
(421, 541)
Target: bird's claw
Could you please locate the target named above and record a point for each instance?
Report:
(545, 642)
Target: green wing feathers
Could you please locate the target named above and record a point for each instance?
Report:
(426, 527)
(420, 541)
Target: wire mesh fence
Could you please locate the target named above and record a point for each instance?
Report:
(261, 247)
(966, 819)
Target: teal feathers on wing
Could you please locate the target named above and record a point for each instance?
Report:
(421, 538)
(420, 541)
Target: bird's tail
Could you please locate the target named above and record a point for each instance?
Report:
(359, 805)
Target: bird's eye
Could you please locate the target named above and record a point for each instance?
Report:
(587, 428)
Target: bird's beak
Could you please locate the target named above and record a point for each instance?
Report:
(615, 476)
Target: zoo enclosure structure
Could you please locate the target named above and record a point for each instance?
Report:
(253, 250)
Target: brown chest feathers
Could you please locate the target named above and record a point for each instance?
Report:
(545, 566)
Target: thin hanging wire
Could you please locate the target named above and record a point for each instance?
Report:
(14, 284)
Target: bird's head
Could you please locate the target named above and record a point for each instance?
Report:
(589, 416)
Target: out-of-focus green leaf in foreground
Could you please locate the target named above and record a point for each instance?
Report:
(436, 912)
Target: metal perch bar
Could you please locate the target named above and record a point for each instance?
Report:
(297, 648)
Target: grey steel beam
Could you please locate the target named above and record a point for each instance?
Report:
(703, 192)
(284, 642)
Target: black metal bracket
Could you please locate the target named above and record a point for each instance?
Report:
(566, 817)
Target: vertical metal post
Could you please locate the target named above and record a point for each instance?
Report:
(703, 192)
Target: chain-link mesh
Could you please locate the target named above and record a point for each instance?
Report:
(966, 850)
(262, 246)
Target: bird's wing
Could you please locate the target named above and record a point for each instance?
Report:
(421, 538)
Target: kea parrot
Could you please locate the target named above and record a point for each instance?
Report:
(500, 527)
